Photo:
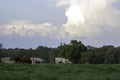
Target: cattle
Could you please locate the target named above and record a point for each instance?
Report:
(6, 60)
(17, 59)
(37, 60)
(23, 60)
(59, 60)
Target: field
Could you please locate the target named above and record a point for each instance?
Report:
(59, 72)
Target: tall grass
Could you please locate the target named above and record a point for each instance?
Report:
(59, 72)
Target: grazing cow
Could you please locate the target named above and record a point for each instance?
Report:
(37, 60)
(17, 59)
(23, 60)
(6, 60)
(59, 60)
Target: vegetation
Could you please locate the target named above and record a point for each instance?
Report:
(83, 58)
(75, 51)
(59, 72)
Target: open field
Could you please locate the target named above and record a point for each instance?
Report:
(59, 72)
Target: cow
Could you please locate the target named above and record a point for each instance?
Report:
(23, 60)
(37, 60)
(17, 59)
(59, 60)
(6, 60)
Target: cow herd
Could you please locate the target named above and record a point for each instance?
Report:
(31, 60)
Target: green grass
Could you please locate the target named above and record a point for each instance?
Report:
(59, 72)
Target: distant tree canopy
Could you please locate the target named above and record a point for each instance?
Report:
(1, 46)
(71, 51)
(75, 51)
(105, 54)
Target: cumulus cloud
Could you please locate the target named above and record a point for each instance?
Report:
(25, 28)
(90, 17)
(85, 18)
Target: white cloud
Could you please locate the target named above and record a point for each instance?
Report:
(24, 29)
(88, 18)
(85, 18)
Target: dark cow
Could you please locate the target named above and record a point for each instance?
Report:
(23, 60)
(17, 59)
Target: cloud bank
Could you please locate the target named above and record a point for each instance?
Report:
(25, 29)
(85, 18)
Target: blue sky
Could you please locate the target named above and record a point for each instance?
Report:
(36, 11)
(30, 23)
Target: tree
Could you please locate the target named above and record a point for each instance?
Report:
(75, 50)
(73, 42)
(0, 50)
(52, 54)
(92, 57)
(1, 46)
(111, 57)
(117, 55)
(43, 52)
(72, 51)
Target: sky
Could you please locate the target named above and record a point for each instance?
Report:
(30, 23)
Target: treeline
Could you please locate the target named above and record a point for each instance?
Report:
(75, 51)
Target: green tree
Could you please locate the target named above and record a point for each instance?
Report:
(72, 51)
(43, 52)
(111, 56)
(92, 57)
(117, 55)
(52, 54)
(1, 46)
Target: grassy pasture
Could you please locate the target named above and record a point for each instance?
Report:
(59, 72)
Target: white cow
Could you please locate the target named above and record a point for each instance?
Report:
(37, 60)
(59, 60)
(6, 60)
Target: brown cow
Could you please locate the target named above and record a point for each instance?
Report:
(23, 60)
